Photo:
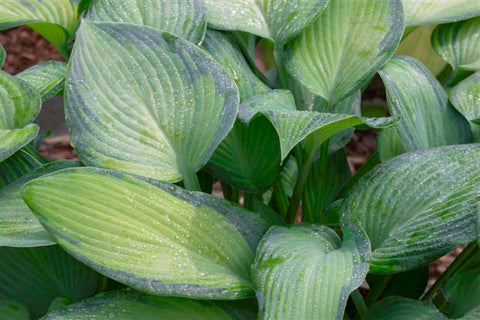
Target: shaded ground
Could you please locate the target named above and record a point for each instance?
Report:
(25, 48)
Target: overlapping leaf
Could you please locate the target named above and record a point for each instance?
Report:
(158, 108)
(418, 206)
(433, 11)
(389, 144)
(394, 308)
(427, 119)
(19, 106)
(463, 292)
(277, 20)
(18, 226)
(20, 163)
(458, 43)
(157, 239)
(36, 276)
(13, 310)
(311, 280)
(410, 284)
(465, 97)
(47, 78)
(333, 58)
(184, 18)
(129, 305)
(55, 20)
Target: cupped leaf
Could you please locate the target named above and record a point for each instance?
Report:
(229, 56)
(311, 279)
(128, 305)
(13, 310)
(293, 126)
(47, 78)
(277, 20)
(465, 97)
(20, 163)
(155, 238)
(458, 43)
(463, 292)
(18, 226)
(334, 57)
(417, 206)
(55, 20)
(184, 18)
(434, 12)
(418, 45)
(36, 276)
(427, 119)
(395, 308)
(158, 108)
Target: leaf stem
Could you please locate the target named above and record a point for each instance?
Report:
(359, 304)
(377, 290)
(248, 200)
(280, 66)
(190, 180)
(466, 254)
(280, 199)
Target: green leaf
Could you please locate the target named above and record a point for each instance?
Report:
(418, 206)
(434, 12)
(311, 279)
(474, 315)
(47, 78)
(158, 108)
(326, 179)
(55, 20)
(465, 97)
(36, 276)
(229, 56)
(59, 303)
(13, 310)
(394, 308)
(410, 284)
(19, 105)
(339, 53)
(418, 45)
(277, 20)
(458, 43)
(427, 119)
(389, 144)
(184, 18)
(18, 226)
(463, 292)
(294, 126)
(128, 305)
(3, 55)
(155, 238)
(21, 162)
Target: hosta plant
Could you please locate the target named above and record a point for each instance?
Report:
(213, 181)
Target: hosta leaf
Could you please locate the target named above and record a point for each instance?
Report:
(128, 305)
(13, 310)
(427, 119)
(410, 284)
(47, 78)
(277, 20)
(326, 179)
(294, 126)
(417, 206)
(394, 308)
(418, 45)
(36, 276)
(458, 43)
(158, 108)
(18, 226)
(333, 58)
(59, 303)
(434, 12)
(184, 18)
(463, 292)
(465, 97)
(313, 278)
(474, 315)
(55, 20)
(3, 55)
(12, 140)
(229, 56)
(21, 162)
(155, 238)
(389, 144)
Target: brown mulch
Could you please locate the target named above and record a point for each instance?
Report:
(26, 48)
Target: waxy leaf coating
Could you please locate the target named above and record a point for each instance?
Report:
(419, 12)
(465, 97)
(48, 78)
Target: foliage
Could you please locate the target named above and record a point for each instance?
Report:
(165, 103)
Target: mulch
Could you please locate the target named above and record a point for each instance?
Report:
(26, 48)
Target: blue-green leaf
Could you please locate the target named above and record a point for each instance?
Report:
(395, 308)
(465, 97)
(434, 12)
(47, 78)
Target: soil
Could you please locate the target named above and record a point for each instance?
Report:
(26, 48)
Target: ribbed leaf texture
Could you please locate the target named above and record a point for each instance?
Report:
(48, 78)
(394, 308)
(465, 97)
(417, 206)
(463, 292)
(433, 11)
(13, 310)
(21, 162)
(184, 18)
